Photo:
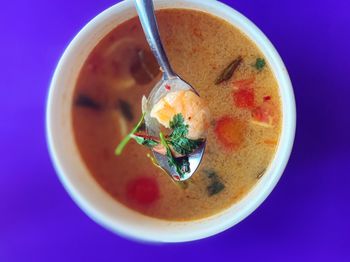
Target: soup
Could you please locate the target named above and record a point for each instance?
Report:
(228, 71)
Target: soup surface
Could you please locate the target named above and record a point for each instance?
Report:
(229, 72)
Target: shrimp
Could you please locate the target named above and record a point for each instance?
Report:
(193, 108)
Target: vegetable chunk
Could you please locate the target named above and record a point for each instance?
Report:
(230, 132)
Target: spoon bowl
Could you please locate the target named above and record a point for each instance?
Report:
(145, 10)
(153, 128)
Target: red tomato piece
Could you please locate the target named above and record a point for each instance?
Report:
(265, 114)
(244, 98)
(243, 93)
(230, 132)
(260, 114)
(143, 190)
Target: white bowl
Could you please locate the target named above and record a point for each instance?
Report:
(73, 173)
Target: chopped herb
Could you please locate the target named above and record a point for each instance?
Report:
(184, 163)
(180, 143)
(215, 187)
(260, 63)
(178, 139)
(86, 101)
(125, 109)
(210, 173)
(216, 184)
(126, 140)
(179, 165)
(144, 140)
(261, 173)
(184, 145)
(178, 125)
(228, 72)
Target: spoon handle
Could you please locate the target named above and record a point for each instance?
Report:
(148, 21)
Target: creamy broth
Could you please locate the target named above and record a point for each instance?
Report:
(245, 114)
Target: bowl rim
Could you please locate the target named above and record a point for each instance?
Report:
(286, 139)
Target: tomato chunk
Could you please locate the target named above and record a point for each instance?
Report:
(244, 98)
(243, 93)
(143, 190)
(265, 114)
(230, 132)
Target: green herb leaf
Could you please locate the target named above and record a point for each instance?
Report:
(216, 184)
(184, 164)
(145, 141)
(260, 63)
(215, 187)
(181, 164)
(210, 173)
(178, 125)
(126, 140)
(178, 139)
(171, 159)
(184, 145)
(227, 73)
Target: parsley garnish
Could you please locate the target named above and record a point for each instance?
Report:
(216, 185)
(178, 139)
(181, 165)
(180, 143)
(144, 141)
(260, 63)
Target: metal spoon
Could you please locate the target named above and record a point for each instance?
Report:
(145, 10)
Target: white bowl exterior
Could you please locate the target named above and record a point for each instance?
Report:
(73, 173)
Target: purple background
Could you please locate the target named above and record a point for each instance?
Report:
(305, 218)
